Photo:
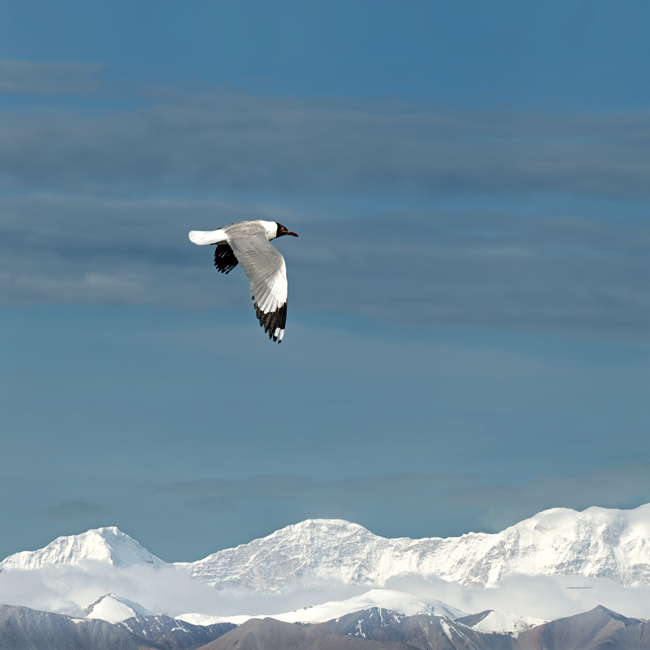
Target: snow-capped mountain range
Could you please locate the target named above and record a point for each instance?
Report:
(598, 542)
(343, 578)
(612, 544)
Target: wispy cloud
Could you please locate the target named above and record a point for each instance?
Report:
(214, 138)
(247, 142)
(62, 240)
(451, 269)
(545, 597)
(417, 499)
(70, 510)
(29, 78)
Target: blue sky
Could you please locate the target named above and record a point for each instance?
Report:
(467, 339)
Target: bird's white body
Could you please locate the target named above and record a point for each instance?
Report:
(247, 243)
(220, 236)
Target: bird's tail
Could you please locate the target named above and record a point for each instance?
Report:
(203, 237)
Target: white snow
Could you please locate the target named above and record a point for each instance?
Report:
(447, 629)
(115, 609)
(105, 545)
(602, 543)
(396, 601)
(503, 622)
(205, 619)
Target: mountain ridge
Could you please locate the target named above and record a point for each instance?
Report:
(22, 628)
(597, 542)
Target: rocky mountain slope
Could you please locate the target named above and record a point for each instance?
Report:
(27, 629)
(172, 634)
(599, 629)
(22, 628)
(371, 629)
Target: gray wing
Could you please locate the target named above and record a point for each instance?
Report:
(267, 273)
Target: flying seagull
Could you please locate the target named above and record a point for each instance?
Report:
(247, 243)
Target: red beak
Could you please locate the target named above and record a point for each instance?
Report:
(293, 234)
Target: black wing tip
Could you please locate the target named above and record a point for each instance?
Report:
(224, 259)
(273, 321)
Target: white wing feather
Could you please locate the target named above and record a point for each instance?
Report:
(267, 272)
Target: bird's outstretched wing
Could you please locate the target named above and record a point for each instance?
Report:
(224, 258)
(267, 273)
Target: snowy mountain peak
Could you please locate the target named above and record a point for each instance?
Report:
(322, 524)
(315, 530)
(114, 609)
(106, 545)
(315, 550)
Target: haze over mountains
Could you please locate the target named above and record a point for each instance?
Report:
(556, 564)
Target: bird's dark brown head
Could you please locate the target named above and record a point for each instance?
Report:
(284, 231)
